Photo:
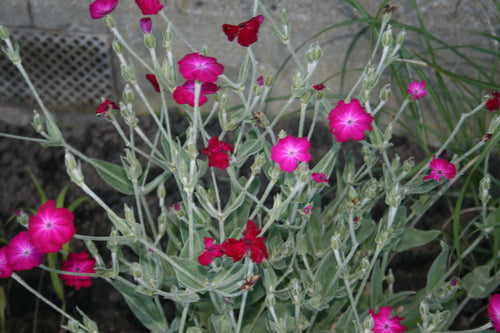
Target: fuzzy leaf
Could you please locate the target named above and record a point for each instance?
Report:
(413, 237)
(438, 268)
(190, 274)
(114, 175)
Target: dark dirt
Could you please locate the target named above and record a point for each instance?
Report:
(97, 138)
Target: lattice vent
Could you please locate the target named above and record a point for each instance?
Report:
(69, 70)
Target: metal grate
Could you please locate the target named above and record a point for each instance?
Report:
(69, 70)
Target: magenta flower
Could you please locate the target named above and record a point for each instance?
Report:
(441, 168)
(319, 177)
(245, 31)
(5, 269)
(493, 103)
(195, 66)
(51, 227)
(494, 311)
(22, 254)
(154, 82)
(250, 244)
(78, 263)
(149, 7)
(383, 323)
(260, 81)
(211, 250)
(100, 8)
(349, 121)
(217, 153)
(177, 206)
(416, 89)
(319, 87)
(185, 93)
(290, 149)
(307, 210)
(146, 24)
(104, 107)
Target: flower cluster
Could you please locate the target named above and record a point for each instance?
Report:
(250, 244)
(48, 230)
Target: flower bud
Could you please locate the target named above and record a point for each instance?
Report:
(313, 53)
(258, 163)
(128, 94)
(162, 224)
(73, 168)
(401, 37)
(484, 189)
(295, 292)
(149, 41)
(335, 242)
(270, 300)
(4, 32)
(22, 218)
(129, 116)
(73, 326)
(128, 74)
(37, 122)
(387, 37)
(495, 122)
(109, 21)
(129, 215)
(385, 93)
(269, 80)
(146, 25)
(136, 271)
(369, 156)
(117, 46)
(286, 25)
(408, 164)
(14, 55)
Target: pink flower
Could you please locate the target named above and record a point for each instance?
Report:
(104, 107)
(319, 177)
(51, 227)
(417, 89)
(250, 244)
(211, 250)
(319, 87)
(185, 93)
(149, 7)
(100, 8)
(290, 149)
(245, 31)
(22, 254)
(487, 137)
(260, 81)
(154, 82)
(5, 269)
(217, 153)
(146, 25)
(384, 324)
(307, 210)
(493, 103)
(177, 206)
(78, 263)
(494, 311)
(198, 67)
(441, 168)
(349, 121)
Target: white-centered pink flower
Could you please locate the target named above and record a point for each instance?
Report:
(22, 254)
(51, 227)
(384, 323)
(5, 269)
(289, 150)
(441, 168)
(417, 89)
(195, 66)
(349, 120)
(494, 311)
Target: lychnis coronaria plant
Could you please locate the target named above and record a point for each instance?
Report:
(271, 233)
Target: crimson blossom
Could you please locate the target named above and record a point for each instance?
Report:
(51, 227)
(384, 323)
(217, 153)
(494, 311)
(195, 66)
(250, 244)
(154, 82)
(104, 107)
(319, 177)
(416, 89)
(349, 120)
(211, 250)
(149, 7)
(5, 269)
(185, 93)
(146, 25)
(22, 254)
(78, 263)
(493, 103)
(441, 168)
(319, 87)
(100, 8)
(245, 31)
(290, 149)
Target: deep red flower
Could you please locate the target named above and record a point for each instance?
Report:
(51, 227)
(195, 66)
(211, 250)
(349, 120)
(441, 168)
(100, 8)
(154, 82)
(149, 7)
(185, 93)
(493, 103)
(246, 31)
(22, 254)
(250, 244)
(487, 137)
(146, 25)
(5, 269)
(260, 81)
(384, 323)
(319, 177)
(78, 263)
(217, 153)
(105, 106)
(319, 87)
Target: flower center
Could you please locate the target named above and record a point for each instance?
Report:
(248, 242)
(349, 122)
(49, 225)
(292, 152)
(26, 253)
(77, 269)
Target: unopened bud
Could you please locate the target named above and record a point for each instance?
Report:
(109, 21)
(385, 93)
(270, 300)
(295, 291)
(269, 80)
(128, 74)
(313, 53)
(37, 122)
(4, 32)
(136, 271)
(335, 242)
(258, 163)
(117, 46)
(73, 168)
(484, 189)
(401, 37)
(149, 41)
(408, 164)
(129, 215)
(387, 37)
(128, 94)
